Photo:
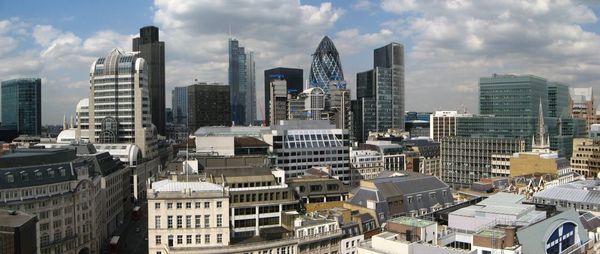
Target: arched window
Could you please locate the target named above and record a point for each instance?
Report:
(562, 238)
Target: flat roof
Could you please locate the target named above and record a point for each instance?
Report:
(14, 220)
(411, 221)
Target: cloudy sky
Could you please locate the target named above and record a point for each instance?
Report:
(449, 44)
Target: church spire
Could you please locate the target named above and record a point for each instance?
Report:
(541, 143)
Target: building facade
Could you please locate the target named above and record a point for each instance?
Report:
(241, 84)
(185, 216)
(365, 165)
(380, 93)
(152, 51)
(586, 157)
(326, 66)
(302, 144)
(179, 105)
(582, 104)
(278, 97)
(22, 105)
(208, 105)
(467, 160)
(119, 102)
(294, 79)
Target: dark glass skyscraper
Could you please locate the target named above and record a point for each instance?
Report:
(208, 105)
(22, 105)
(242, 84)
(379, 101)
(294, 79)
(179, 105)
(153, 51)
(326, 66)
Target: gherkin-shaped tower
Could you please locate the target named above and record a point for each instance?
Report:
(326, 66)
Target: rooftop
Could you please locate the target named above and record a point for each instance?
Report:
(411, 221)
(586, 191)
(173, 186)
(13, 220)
(495, 233)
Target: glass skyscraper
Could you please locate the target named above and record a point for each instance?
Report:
(326, 66)
(21, 105)
(242, 84)
(380, 93)
(179, 105)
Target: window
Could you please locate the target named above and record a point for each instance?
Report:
(206, 204)
(188, 239)
(219, 238)
(197, 205)
(179, 205)
(169, 205)
(188, 221)
(179, 221)
(188, 205)
(169, 221)
(206, 221)
(198, 237)
(219, 220)
(156, 221)
(219, 204)
(156, 205)
(410, 200)
(158, 240)
(206, 239)
(179, 239)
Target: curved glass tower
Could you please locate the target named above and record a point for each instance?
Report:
(326, 66)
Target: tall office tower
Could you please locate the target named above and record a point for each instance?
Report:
(22, 105)
(119, 102)
(153, 51)
(251, 90)
(380, 93)
(82, 120)
(558, 99)
(294, 81)
(338, 106)
(208, 105)
(179, 102)
(326, 66)
(278, 97)
(242, 84)
(512, 96)
(582, 104)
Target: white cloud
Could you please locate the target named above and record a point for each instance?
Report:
(456, 42)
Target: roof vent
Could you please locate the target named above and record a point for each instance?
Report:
(13, 212)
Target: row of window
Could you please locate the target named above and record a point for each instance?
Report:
(188, 205)
(188, 221)
(188, 239)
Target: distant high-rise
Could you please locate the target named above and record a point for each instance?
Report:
(582, 104)
(380, 93)
(294, 81)
(278, 101)
(242, 82)
(512, 96)
(558, 99)
(153, 51)
(179, 105)
(21, 105)
(208, 105)
(326, 66)
(118, 102)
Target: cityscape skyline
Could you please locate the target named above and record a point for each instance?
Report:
(55, 47)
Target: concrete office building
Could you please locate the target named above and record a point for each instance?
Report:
(22, 105)
(294, 85)
(208, 105)
(18, 232)
(242, 84)
(586, 157)
(365, 165)
(278, 97)
(582, 104)
(317, 186)
(466, 160)
(77, 194)
(179, 105)
(301, 144)
(187, 216)
(380, 93)
(443, 124)
(152, 51)
(256, 200)
(119, 102)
